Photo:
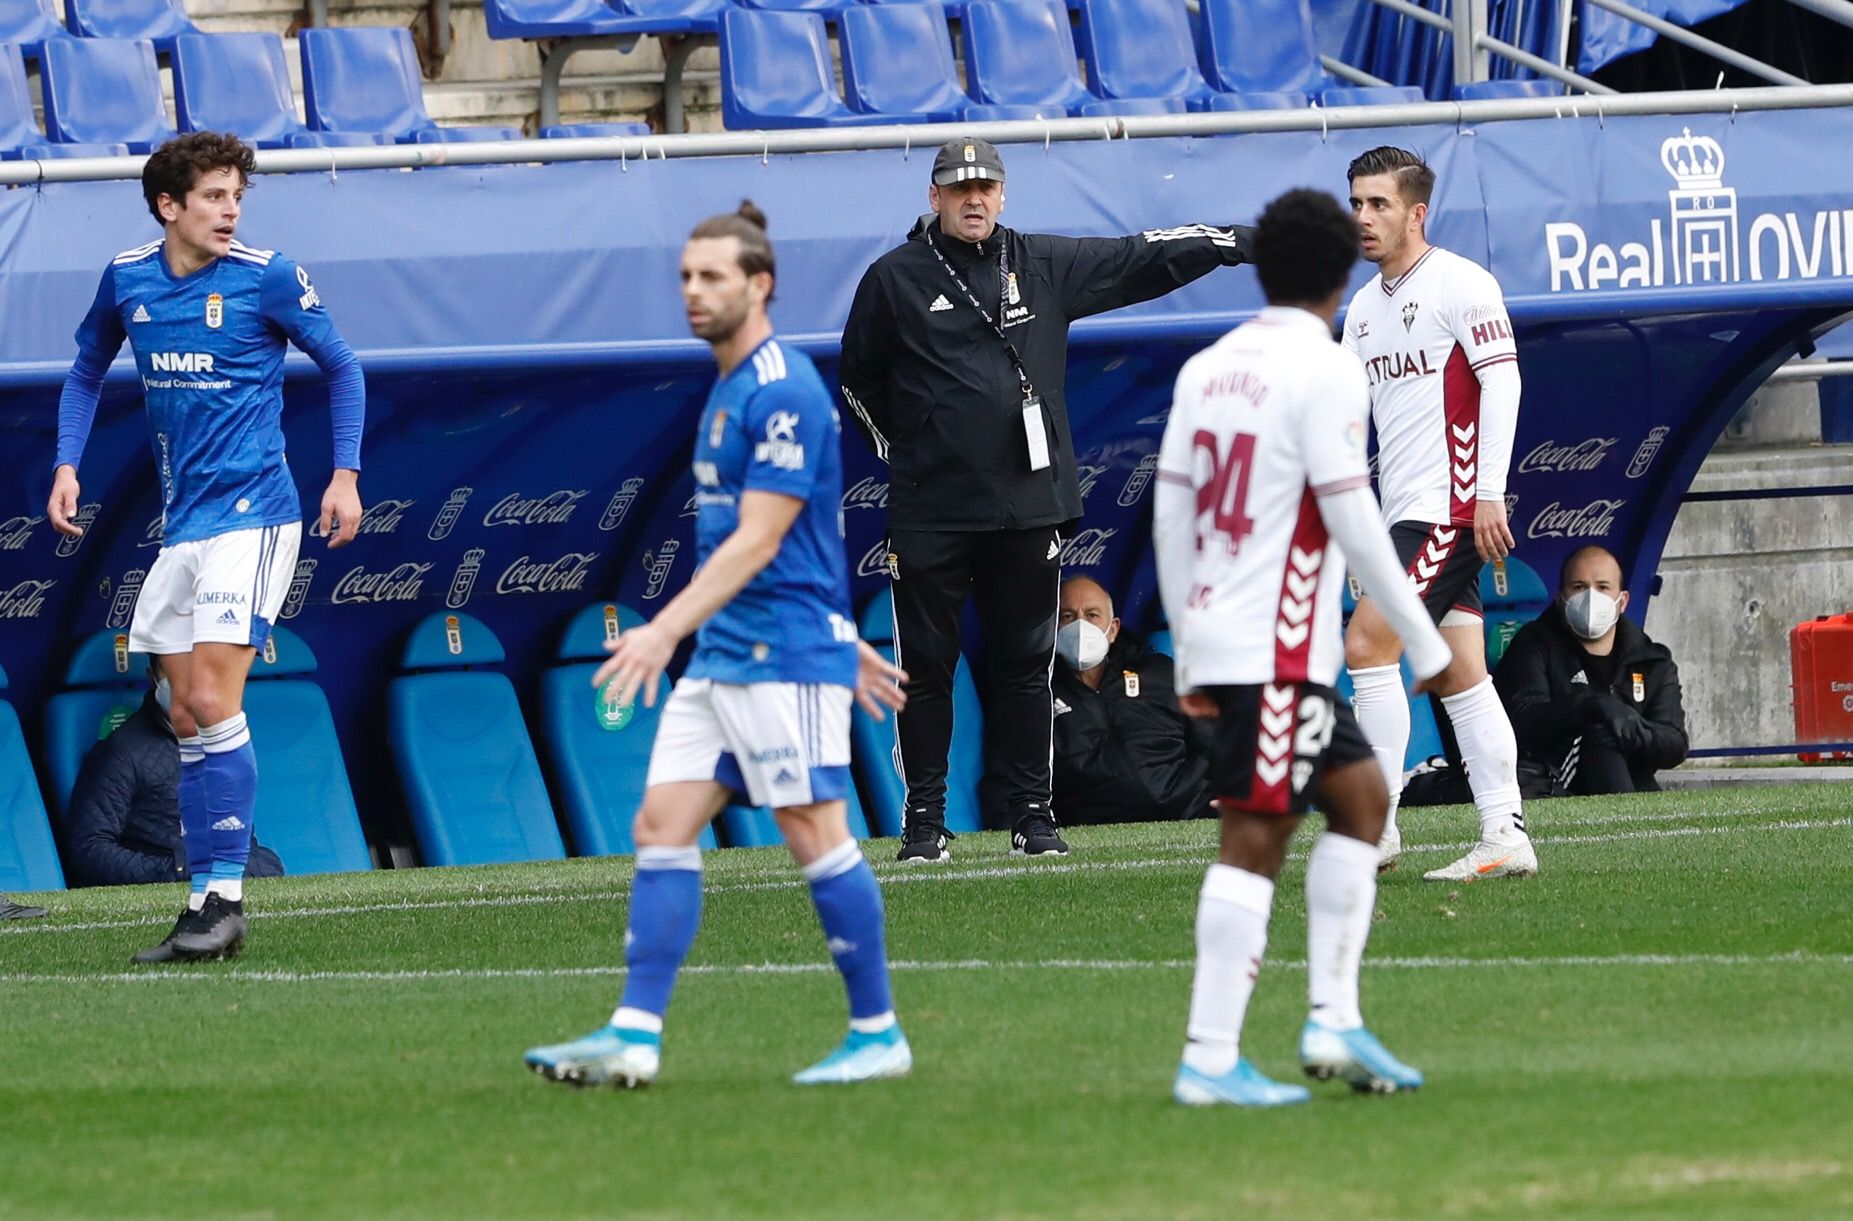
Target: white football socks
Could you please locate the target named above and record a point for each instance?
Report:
(1341, 899)
(1232, 935)
(1490, 752)
(1383, 714)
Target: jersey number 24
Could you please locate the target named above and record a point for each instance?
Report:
(1223, 495)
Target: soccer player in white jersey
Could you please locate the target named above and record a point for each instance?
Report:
(1263, 497)
(1432, 331)
(764, 705)
(209, 320)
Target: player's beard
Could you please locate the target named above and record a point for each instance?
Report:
(725, 319)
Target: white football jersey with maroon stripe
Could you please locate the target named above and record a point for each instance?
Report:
(1271, 414)
(1425, 340)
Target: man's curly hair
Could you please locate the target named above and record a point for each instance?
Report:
(177, 165)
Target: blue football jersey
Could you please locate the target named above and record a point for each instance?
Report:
(209, 348)
(771, 426)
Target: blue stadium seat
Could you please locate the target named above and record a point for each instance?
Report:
(775, 72)
(830, 9)
(872, 743)
(533, 19)
(472, 784)
(366, 79)
(1261, 46)
(1142, 49)
(576, 131)
(104, 683)
(68, 152)
(1103, 107)
(28, 852)
(104, 91)
(159, 21)
(29, 24)
(1285, 99)
(1359, 95)
(1160, 642)
(238, 83)
(18, 127)
(1512, 582)
(1480, 91)
(599, 756)
(897, 59)
(981, 113)
(305, 807)
(1022, 53)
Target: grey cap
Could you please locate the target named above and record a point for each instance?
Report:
(966, 158)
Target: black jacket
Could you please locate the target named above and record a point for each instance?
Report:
(936, 393)
(1125, 753)
(1549, 708)
(123, 825)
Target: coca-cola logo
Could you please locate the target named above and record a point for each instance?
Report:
(14, 532)
(25, 600)
(1087, 548)
(1089, 476)
(1644, 456)
(403, 583)
(874, 562)
(156, 532)
(689, 509)
(1583, 456)
(1593, 520)
(380, 517)
(564, 575)
(553, 509)
(868, 493)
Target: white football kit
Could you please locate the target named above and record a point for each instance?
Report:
(1442, 367)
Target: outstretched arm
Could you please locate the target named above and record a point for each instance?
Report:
(1096, 274)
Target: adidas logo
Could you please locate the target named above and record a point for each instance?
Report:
(1580, 677)
(140, 314)
(230, 822)
(1055, 549)
(785, 777)
(229, 616)
(939, 303)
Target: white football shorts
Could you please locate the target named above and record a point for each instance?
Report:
(782, 744)
(226, 589)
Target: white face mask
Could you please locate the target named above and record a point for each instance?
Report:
(1082, 645)
(1591, 614)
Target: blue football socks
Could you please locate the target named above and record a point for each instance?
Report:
(195, 827)
(848, 901)
(665, 912)
(229, 779)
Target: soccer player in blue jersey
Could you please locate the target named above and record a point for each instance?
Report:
(764, 705)
(209, 320)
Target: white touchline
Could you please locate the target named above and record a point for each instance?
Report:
(1185, 857)
(1430, 963)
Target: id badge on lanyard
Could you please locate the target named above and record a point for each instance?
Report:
(1034, 433)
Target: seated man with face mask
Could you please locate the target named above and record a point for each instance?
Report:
(1123, 751)
(1594, 703)
(123, 826)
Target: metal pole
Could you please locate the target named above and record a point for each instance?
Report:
(1685, 37)
(318, 14)
(1809, 371)
(1031, 131)
(1346, 72)
(1416, 12)
(1564, 12)
(1469, 25)
(1543, 67)
(1839, 11)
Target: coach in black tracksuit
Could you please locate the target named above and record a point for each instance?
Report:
(954, 360)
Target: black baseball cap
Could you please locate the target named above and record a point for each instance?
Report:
(966, 158)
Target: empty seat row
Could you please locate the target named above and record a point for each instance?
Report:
(30, 24)
(103, 95)
(1020, 62)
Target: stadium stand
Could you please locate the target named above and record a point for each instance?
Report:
(1260, 46)
(103, 682)
(29, 25)
(776, 72)
(1141, 49)
(366, 79)
(158, 21)
(104, 91)
(240, 83)
(1021, 53)
(472, 784)
(873, 747)
(28, 852)
(598, 755)
(18, 126)
(305, 806)
(66, 152)
(897, 60)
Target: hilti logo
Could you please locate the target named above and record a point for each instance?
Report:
(1275, 739)
(1466, 460)
(1433, 555)
(1486, 332)
(1296, 597)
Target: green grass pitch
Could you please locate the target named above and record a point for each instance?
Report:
(1660, 1025)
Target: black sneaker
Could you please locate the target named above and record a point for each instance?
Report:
(925, 843)
(188, 922)
(1036, 836)
(218, 932)
(10, 910)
